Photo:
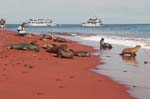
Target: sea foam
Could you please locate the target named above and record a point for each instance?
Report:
(125, 41)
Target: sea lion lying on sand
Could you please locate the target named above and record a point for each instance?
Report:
(56, 48)
(44, 37)
(60, 50)
(49, 46)
(25, 46)
(104, 45)
(65, 53)
(130, 51)
(81, 53)
(60, 39)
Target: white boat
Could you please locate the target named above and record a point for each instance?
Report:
(40, 22)
(93, 22)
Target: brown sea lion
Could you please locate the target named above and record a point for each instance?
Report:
(34, 43)
(65, 53)
(49, 46)
(61, 51)
(82, 54)
(25, 46)
(130, 51)
(45, 36)
(55, 49)
(60, 39)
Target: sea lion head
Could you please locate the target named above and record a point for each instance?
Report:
(34, 43)
(138, 46)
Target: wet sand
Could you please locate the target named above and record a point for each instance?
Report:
(131, 71)
(41, 75)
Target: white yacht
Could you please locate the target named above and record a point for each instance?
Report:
(40, 22)
(93, 22)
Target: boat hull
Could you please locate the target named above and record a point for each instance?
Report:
(28, 24)
(91, 25)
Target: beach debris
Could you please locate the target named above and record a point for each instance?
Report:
(58, 79)
(72, 77)
(98, 55)
(25, 46)
(4, 69)
(29, 66)
(108, 56)
(24, 72)
(61, 86)
(4, 75)
(97, 68)
(125, 71)
(99, 80)
(34, 55)
(40, 93)
(134, 86)
(130, 51)
(146, 62)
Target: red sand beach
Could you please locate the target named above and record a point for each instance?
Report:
(41, 75)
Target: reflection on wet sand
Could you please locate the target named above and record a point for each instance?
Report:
(129, 59)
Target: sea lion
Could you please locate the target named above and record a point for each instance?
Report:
(60, 39)
(130, 51)
(25, 46)
(104, 45)
(34, 43)
(56, 48)
(49, 46)
(45, 36)
(33, 47)
(65, 53)
(60, 51)
(82, 54)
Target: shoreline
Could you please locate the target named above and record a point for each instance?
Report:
(129, 71)
(32, 75)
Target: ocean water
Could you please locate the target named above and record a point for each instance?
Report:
(130, 71)
(121, 34)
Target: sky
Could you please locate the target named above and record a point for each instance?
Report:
(77, 11)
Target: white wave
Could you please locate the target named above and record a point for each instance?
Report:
(125, 41)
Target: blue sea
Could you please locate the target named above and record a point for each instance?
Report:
(122, 34)
(132, 72)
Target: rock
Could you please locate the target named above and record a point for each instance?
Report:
(145, 62)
